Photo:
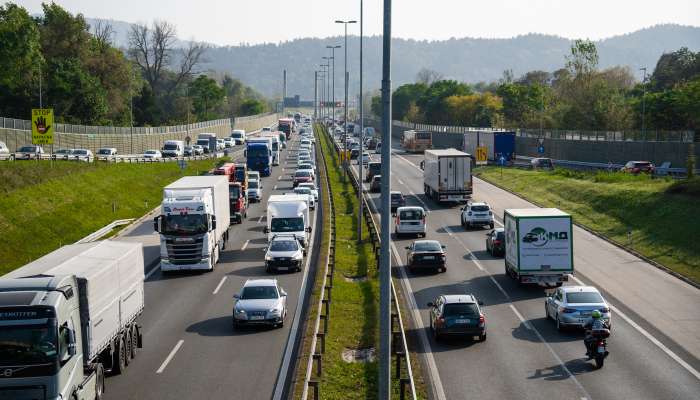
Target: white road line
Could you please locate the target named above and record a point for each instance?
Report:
(223, 279)
(245, 245)
(649, 336)
(260, 219)
(279, 178)
(152, 271)
(520, 317)
(274, 187)
(170, 357)
(400, 181)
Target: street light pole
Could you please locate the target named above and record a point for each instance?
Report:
(384, 382)
(333, 77)
(315, 94)
(345, 105)
(644, 95)
(362, 134)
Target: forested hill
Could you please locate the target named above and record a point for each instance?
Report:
(467, 59)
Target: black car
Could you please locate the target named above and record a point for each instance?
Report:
(373, 168)
(426, 254)
(397, 200)
(457, 315)
(354, 154)
(496, 241)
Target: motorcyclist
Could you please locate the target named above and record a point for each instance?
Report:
(596, 323)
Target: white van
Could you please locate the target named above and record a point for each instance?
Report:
(238, 136)
(173, 148)
(410, 221)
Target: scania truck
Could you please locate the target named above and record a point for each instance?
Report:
(193, 223)
(68, 319)
(288, 214)
(539, 246)
(258, 155)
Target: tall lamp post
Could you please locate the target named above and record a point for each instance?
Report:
(644, 95)
(345, 105)
(362, 132)
(326, 83)
(333, 77)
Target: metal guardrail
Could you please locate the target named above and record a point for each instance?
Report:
(525, 162)
(396, 320)
(315, 355)
(104, 230)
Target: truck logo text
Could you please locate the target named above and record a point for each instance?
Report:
(540, 237)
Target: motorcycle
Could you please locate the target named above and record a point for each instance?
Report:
(598, 347)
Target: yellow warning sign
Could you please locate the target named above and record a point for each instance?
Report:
(42, 126)
(481, 154)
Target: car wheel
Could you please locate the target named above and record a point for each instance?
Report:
(482, 338)
(560, 327)
(491, 225)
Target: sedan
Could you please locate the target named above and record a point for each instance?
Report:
(457, 314)
(153, 154)
(302, 177)
(375, 185)
(571, 306)
(260, 302)
(29, 152)
(495, 242)
(426, 254)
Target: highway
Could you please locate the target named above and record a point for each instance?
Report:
(654, 344)
(190, 349)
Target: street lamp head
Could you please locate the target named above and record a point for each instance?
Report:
(352, 22)
(333, 47)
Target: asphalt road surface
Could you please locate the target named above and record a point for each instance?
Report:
(525, 357)
(190, 349)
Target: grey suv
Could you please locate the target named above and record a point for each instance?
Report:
(458, 315)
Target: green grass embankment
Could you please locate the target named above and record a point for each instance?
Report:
(44, 206)
(663, 215)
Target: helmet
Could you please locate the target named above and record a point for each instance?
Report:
(596, 314)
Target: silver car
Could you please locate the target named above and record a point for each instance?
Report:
(260, 302)
(255, 190)
(571, 306)
(284, 253)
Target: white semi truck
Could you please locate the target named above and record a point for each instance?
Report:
(193, 223)
(539, 246)
(447, 175)
(276, 146)
(69, 318)
(288, 214)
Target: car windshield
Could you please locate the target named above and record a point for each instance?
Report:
(583, 297)
(259, 292)
(413, 213)
(234, 191)
(480, 208)
(302, 174)
(460, 309)
(239, 174)
(427, 246)
(185, 224)
(237, 135)
(302, 190)
(104, 151)
(284, 245)
(293, 224)
(641, 164)
(375, 167)
(203, 142)
(304, 166)
(258, 151)
(27, 344)
(170, 146)
(27, 149)
(253, 184)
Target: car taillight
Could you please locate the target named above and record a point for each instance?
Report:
(635, 169)
(567, 310)
(482, 319)
(496, 242)
(398, 220)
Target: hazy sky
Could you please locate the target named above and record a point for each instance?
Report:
(253, 21)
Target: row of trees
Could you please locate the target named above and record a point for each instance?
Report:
(58, 60)
(578, 96)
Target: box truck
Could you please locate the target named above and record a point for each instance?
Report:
(288, 214)
(539, 245)
(276, 146)
(207, 141)
(193, 222)
(69, 318)
(497, 143)
(447, 175)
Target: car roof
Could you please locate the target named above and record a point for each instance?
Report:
(395, 192)
(260, 282)
(284, 236)
(410, 208)
(569, 289)
(459, 298)
(480, 203)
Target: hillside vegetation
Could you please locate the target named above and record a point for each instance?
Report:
(43, 207)
(663, 215)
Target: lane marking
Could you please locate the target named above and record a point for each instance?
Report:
(152, 271)
(170, 357)
(400, 181)
(274, 187)
(260, 219)
(223, 279)
(245, 245)
(649, 336)
(520, 317)
(279, 178)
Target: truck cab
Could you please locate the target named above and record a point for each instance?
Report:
(259, 156)
(238, 202)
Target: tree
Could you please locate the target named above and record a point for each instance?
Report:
(252, 107)
(405, 98)
(583, 60)
(207, 96)
(676, 67)
(432, 102)
(376, 106)
(21, 61)
(427, 76)
(475, 110)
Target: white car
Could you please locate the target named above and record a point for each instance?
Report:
(260, 302)
(197, 150)
(365, 159)
(253, 175)
(106, 152)
(29, 152)
(152, 154)
(255, 188)
(62, 154)
(81, 155)
(229, 142)
(220, 144)
(311, 186)
(306, 191)
(307, 167)
(477, 214)
(284, 253)
(4, 150)
(410, 220)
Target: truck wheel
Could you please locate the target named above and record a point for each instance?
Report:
(127, 347)
(491, 225)
(99, 382)
(119, 358)
(134, 341)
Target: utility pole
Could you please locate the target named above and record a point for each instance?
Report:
(284, 89)
(333, 77)
(362, 134)
(315, 94)
(644, 95)
(384, 392)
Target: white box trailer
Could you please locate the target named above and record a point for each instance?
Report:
(447, 175)
(93, 294)
(289, 214)
(539, 245)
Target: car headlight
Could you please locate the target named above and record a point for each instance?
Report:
(239, 311)
(274, 311)
(268, 257)
(298, 256)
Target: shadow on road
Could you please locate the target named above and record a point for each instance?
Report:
(557, 372)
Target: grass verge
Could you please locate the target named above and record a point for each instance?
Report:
(38, 216)
(662, 215)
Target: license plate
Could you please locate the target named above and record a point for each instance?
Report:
(282, 268)
(601, 349)
(461, 321)
(256, 317)
(585, 313)
(428, 257)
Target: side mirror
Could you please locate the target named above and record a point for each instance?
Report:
(430, 304)
(266, 230)
(443, 247)
(407, 247)
(213, 222)
(283, 293)
(157, 223)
